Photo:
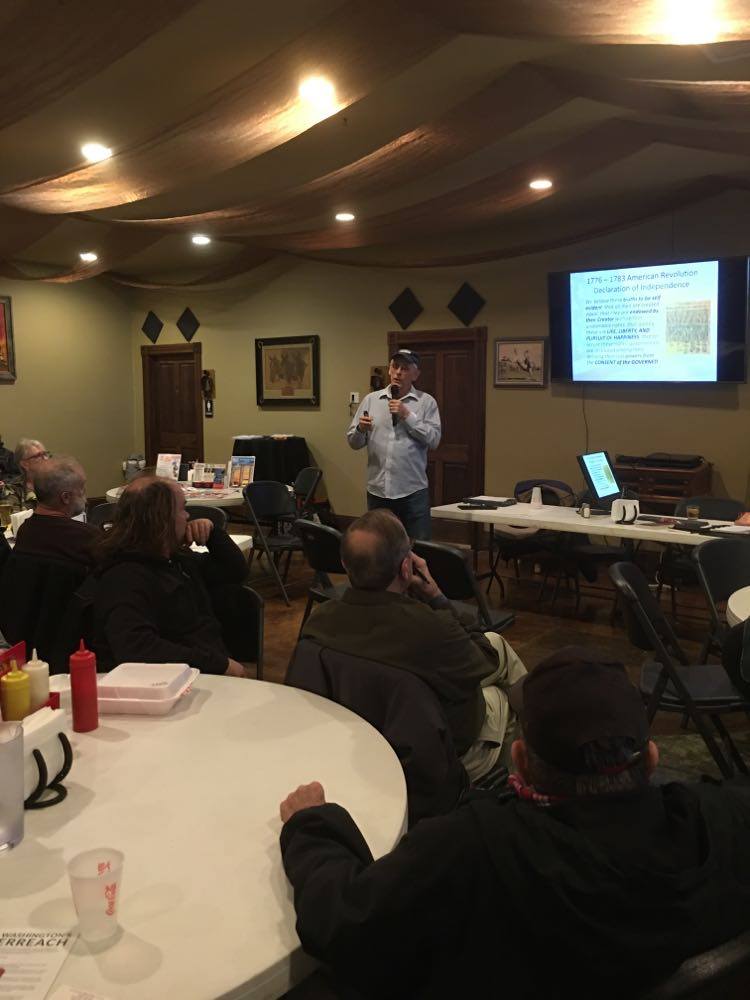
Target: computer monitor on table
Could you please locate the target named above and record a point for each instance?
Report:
(600, 478)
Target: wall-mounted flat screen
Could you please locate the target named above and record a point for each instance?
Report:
(683, 322)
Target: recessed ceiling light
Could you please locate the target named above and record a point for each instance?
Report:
(540, 184)
(320, 94)
(690, 22)
(345, 216)
(200, 240)
(88, 256)
(95, 152)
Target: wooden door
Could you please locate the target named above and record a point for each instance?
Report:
(453, 371)
(172, 414)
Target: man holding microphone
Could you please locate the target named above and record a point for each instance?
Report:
(398, 425)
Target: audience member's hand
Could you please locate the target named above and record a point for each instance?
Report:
(743, 518)
(421, 581)
(235, 669)
(198, 531)
(305, 797)
(365, 424)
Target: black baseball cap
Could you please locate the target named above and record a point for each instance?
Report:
(406, 356)
(577, 697)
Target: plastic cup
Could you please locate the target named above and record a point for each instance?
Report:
(95, 880)
(11, 785)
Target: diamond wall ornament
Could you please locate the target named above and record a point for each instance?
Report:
(466, 304)
(188, 324)
(405, 308)
(152, 326)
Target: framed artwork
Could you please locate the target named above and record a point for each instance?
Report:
(521, 363)
(287, 371)
(7, 354)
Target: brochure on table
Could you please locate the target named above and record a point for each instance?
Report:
(168, 466)
(241, 470)
(30, 960)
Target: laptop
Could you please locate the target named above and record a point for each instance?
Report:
(600, 478)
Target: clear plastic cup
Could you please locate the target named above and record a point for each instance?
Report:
(95, 881)
(11, 785)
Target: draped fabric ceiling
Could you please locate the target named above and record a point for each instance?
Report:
(441, 113)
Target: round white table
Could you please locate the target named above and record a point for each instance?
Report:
(738, 606)
(192, 800)
(243, 542)
(193, 495)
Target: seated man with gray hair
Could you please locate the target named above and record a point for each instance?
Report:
(51, 533)
(396, 614)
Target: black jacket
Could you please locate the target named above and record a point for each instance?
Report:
(155, 610)
(583, 899)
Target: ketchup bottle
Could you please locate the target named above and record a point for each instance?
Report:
(83, 690)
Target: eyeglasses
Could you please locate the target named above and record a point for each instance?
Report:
(39, 454)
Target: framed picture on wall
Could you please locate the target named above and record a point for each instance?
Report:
(287, 371)
(521, 363)
(7, 354)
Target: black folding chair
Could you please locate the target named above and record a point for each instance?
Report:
(676, 567)
(722, 566)
(38, 606)
(402, 707)
(267, 502)
(451, 570)
(672, 684)
(322, 548)
(215, 515)
(241, 613)
(303, 494)
(102, 515)
(721, 972)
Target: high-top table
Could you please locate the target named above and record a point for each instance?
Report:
(192, 800)
(567, 519)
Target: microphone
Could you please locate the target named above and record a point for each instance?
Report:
(395, 391)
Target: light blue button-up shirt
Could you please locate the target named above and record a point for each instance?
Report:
(397, 456)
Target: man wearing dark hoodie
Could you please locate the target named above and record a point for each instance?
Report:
(588, 882)
(152, 594)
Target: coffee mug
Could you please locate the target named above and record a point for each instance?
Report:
(625, 511)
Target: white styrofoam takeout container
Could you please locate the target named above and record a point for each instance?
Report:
(136, 688)
(144, 688)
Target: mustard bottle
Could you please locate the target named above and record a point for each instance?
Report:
(15, 694)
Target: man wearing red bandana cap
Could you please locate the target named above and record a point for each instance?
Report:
(590, 880)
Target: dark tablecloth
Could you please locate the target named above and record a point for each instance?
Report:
(275, 459)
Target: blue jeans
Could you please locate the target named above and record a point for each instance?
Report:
(412, 511)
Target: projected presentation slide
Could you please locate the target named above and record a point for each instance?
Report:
(645, 324)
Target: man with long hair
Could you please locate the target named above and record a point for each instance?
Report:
(588, 881)
(152, 600)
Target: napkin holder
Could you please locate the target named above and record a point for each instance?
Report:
(48, 757)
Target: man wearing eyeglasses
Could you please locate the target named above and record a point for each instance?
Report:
(28, 455)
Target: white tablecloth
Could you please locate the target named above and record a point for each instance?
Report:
(206, 498)
(192, 800)
(566, 519)
(738, 606)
